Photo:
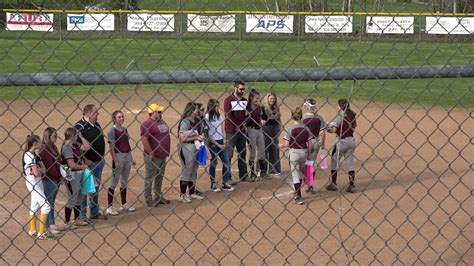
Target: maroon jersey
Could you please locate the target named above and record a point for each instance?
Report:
(51, 163)
(235, 114)
(120, 139)
(314, 123)
(298, 136)
(158, 134)
(344, 127)
(256, 116)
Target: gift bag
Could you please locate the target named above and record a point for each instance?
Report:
(88, 182)
(323, 159)
(309, 173)
(202, 155)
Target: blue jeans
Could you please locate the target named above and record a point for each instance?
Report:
(238, 140)
(51, 188)
(223, 155)
(96, 168)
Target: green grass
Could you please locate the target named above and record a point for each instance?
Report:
(193, 54)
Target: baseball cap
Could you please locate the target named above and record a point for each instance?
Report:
(155, 108)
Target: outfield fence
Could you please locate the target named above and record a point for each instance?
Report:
(413, 101)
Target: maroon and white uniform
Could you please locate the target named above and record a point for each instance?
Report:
(345, 142)
(298, 137)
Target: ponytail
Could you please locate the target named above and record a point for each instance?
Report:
(346, 108)
(30, 141)
(297, 114)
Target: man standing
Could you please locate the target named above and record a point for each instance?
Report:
(155, 136)
(92, 136)
(235, 106)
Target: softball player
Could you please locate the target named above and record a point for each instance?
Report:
(255, 135)
(187, 152)
(120, 151)
(298, 139)
(344, 126)
(315, 123)
(33, 170)
(72, 153)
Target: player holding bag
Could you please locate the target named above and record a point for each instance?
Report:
(314, 123)
(344, 126)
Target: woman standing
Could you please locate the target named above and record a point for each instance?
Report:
(33, 169)
(298, 139)
(217, 146)
(52, 177)
(314, 123)
(187, 149)
(271, 132)
(255, 135)
(72, 153)
(122, 161)
(344, 126)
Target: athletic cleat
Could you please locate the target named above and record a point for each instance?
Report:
(32, 233)
(298, 200)
(227, 187)
(184, 198)
(216, 188)
(127, 207)
(351, 189)
(196, 196)
(46, 236)
(111, 211)
(332, 187)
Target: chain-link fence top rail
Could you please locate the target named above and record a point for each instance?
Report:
(405, 67)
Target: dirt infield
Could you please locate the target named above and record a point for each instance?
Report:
(415, 205)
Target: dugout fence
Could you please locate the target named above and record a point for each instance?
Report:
(413, 98)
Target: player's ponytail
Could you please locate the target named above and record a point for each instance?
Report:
(297, 114)
(346, 108)
(30, 141)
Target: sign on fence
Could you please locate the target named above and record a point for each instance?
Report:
(29, 21)
(90, 22)
(449, 25)
(150, 22)
(269, 23)
(390, 25)
(200, 23)
(328, 24)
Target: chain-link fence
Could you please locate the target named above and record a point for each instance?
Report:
(406, 71)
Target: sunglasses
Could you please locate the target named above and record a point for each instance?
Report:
(202, 110)
(159, 112)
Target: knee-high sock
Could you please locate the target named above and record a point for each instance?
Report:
(123, 195)
(67, 214)
(351, 177)
(77, 210)
(334, 176)
(297, 189)
(191, 187)
(182, 186)
(33, 223)
(110, 197)
(42, 226)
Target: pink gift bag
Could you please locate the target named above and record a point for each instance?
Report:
(323, 159)
(308, 173)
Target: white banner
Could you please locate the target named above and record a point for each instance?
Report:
(150, 22)
(200, 23)
(29, 21)
(449, 25)
(390, 25)
(269, 23)
(328, 24)
(90, 22)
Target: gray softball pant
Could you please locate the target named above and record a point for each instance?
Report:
(256, 143)
(74, 188)
(344, 147)
(315, 145)
(189, 166)
(121, 171)
(297, 160)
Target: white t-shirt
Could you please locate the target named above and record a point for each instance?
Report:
(215, 128)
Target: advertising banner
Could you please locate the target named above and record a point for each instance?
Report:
(201, 23)
(90, 22)
(29, 21)
(269, 24)
(390, 25)
(328, 24)
(150, 22)
(449, 25)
